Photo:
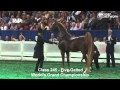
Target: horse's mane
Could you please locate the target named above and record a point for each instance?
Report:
(62, 25)
(65, 30)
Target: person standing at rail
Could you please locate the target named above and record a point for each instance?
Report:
(110, 41)
(39, 50)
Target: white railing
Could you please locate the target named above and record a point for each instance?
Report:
(11, 50)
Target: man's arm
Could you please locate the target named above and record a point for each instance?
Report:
(113, 40)
(23, 37)
(49, 42)
(96, 51)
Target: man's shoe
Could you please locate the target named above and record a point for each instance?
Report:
(113, 66)
(36, 70)
(107, 66)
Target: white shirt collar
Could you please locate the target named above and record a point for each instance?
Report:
(109, 37)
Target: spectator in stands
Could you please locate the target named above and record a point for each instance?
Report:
(13, 38)
(78, 25)
(11, 20)
(42, 25)
(70, 17)
(28, 19)
(24, 17)
(102, 24)
(51, 14)
(67, 25)
(50, 23)
(46, 23)
(86, 23)
(46, 14)
(21, 37)
(26, 26)
(21, 27)
(33, 26)
(6, 38)
(37, 17)
(83, 22)
(9, 23)
(53, 39)
(61, 17)
(14, 26)
(104, 38)
(118, 22)
(29, 39)
(110, 41)
(38, 51)
(93, 21)
(3, 26)
(18, 19)
(100, 39)
(88, 19)
(4, 17)
(95, 39)
(73, 26)
(1, 38)
(33, 20)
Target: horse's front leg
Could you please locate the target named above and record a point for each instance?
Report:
(67, 53)
(63, 57)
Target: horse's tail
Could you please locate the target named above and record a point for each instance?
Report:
(90, 48)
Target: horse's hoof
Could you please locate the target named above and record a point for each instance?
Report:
(86, 71)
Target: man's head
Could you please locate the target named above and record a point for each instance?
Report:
(52, 35)
(0, 37)
(73, 24)
(6, 38)
(109, 31)
(40, 33)
(20, 33)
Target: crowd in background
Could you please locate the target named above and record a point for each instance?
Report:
(42, 20)
(73, 20)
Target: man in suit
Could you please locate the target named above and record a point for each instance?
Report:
(39, 51)
(110, 41)
(96, 56)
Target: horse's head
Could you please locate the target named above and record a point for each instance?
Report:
(60, 28)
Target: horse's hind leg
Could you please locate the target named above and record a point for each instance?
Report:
(67, 53)
(63, 57)
(84, 57)
(88, 63)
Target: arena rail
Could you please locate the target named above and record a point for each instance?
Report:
(31, 34)
(23, 50)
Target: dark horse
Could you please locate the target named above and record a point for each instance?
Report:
(68, 43)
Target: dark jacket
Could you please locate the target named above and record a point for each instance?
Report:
(39, 47)
(97, 53)
(110, 47)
